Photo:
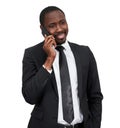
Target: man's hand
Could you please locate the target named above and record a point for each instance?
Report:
(49, 45)
(49, 48)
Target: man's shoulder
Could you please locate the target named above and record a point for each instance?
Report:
(35, 50)
(78, 46)
(35, 47)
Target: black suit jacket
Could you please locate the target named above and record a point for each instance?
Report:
(39, 87)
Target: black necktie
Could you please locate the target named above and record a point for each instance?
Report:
(67, 102)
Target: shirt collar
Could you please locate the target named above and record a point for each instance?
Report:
(66, 45)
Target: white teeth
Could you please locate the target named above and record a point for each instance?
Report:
(60, 36)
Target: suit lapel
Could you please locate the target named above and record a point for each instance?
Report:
(53, 80)
(78, 66)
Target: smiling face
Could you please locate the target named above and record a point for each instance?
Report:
(56, 25)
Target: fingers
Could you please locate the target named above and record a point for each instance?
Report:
(49, 46)
(50, 41)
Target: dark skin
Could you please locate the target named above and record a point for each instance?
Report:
(56, 24)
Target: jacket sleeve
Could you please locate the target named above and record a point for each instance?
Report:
(33, 79)
(94, 92)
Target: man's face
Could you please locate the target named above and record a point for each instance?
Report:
(56, 25)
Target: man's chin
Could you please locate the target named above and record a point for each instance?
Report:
(59, 42)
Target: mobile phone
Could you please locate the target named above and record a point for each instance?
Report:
(44, 31)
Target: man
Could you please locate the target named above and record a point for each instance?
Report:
(42, 78)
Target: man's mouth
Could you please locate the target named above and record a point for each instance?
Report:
(60, 36)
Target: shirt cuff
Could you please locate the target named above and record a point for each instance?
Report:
(49, 70)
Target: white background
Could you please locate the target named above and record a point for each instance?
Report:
(95, 23)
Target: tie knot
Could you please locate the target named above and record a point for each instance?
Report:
(60, 48)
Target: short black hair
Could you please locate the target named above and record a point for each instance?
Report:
(47, 10)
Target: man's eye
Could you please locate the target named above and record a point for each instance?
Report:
(62, 22)
(51, 26)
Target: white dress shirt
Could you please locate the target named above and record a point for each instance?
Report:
(78, 117)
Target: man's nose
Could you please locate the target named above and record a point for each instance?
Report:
(58, 28)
